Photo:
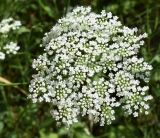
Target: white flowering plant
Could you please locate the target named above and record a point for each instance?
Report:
(8, 44)
(91, 66)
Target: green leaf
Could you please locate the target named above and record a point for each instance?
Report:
(47, 9)
(1, 126)
(53, 135)
(50, 135)
(82, 135)
(23, 30)
(62, 131)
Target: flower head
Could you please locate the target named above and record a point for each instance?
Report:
(7, 26)
(91, 66)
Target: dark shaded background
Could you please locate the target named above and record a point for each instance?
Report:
(19, 118)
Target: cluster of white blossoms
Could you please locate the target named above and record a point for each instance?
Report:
(6, 26)
(11, 48)
(91, 67)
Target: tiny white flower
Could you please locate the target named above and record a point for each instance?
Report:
(2, 56)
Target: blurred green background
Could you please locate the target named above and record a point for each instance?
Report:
(19, 118)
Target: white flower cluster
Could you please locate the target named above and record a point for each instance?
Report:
(11, 48)
(7, 48)
(91, 66)
(6, 25)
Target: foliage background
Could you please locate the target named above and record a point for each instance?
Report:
(19, 118)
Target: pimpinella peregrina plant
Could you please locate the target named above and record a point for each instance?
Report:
(8, 46)
(91, 66)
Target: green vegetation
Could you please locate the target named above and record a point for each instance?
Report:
(20, 118)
